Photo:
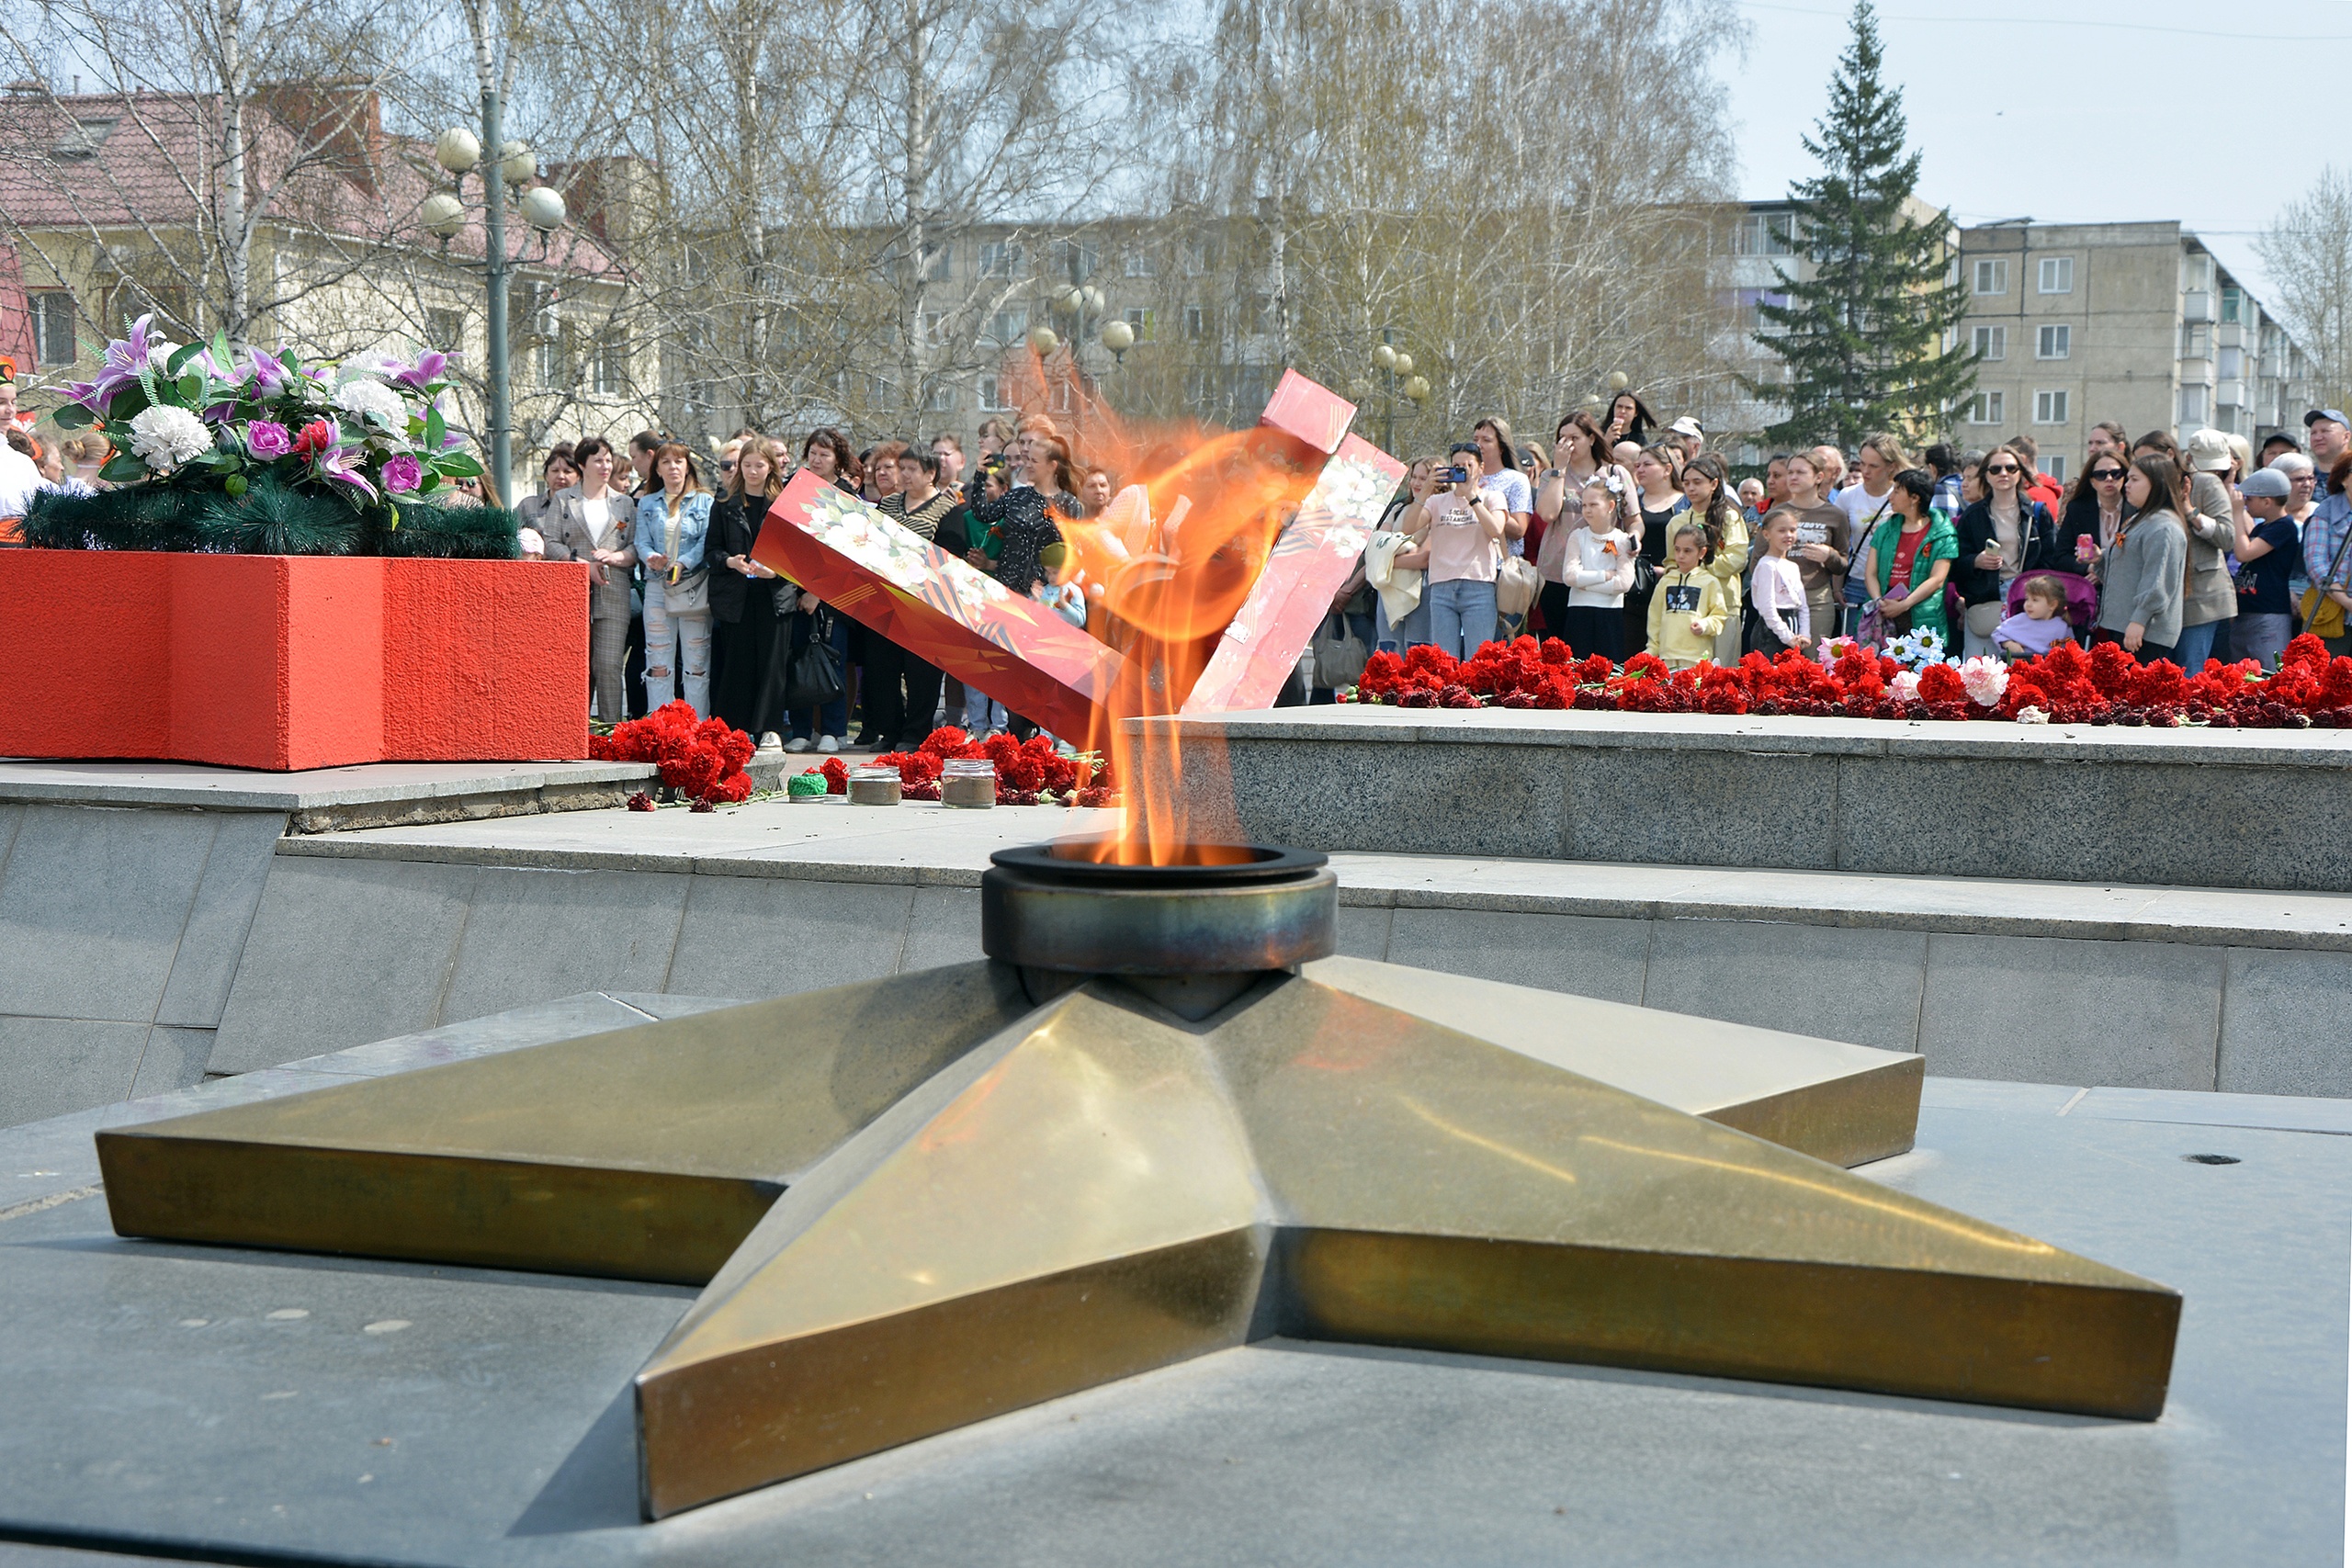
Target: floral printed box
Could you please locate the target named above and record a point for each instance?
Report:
(938, 607)
(1312, 557)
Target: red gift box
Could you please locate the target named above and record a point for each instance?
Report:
(937, 606)
(287, 662)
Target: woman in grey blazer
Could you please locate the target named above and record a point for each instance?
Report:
(592, 522)
(2143, 576)
(557, 473)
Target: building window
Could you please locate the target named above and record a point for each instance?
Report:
(1986, 408)
(2057, 274)
(2233, 303)
(2050, 408)
(1195, 322)
(608, 368)
(991, 389)
(2196, 340)
(1140, 323)
(2054, 343)
(1991, 343)
(1000, 258)
(53, 328)
(2231, 366)
(2192, 405)
(1007, 326)
(1993, 277)
(1765, 234)
(942, 397)
(2056, 469)
(1139, 263)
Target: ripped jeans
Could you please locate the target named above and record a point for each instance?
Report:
(673, 639)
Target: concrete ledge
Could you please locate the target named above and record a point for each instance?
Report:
(1947, 800)
(326, 799)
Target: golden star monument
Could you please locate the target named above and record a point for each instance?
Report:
(1160, 1121)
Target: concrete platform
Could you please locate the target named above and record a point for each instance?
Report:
(323, 799)
(2135, 987)
(205, 1404)
(2072, 803)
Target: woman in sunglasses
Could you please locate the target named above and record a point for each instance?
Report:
(2005, 533)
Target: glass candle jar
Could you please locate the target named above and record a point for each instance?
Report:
(874, 786)
(968, 781)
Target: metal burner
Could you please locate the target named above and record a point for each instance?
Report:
(1193, 935)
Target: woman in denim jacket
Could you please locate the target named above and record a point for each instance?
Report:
(672, 524)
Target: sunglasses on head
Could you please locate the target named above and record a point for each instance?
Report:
(2101, 476)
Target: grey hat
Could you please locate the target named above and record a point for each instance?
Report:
(1687, 425)
(2209, 452)
(2266, 482)
(2338, 415)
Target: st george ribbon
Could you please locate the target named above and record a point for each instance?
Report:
(873, 568)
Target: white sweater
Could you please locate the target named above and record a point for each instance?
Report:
(1599, 569)
(1781, 600)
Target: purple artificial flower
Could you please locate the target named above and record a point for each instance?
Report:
(269, 374)
(426, 370)
(125, 358)
(267, 438)
(403, 473)
(343, 463)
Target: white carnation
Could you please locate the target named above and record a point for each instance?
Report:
(166, 436)
(1907, 687)
(375, 403)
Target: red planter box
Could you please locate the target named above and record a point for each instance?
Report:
(284, 663)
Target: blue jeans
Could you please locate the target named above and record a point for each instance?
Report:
(1462, 614)
(2196, 646)
(1397, 637)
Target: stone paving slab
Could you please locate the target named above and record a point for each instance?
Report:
(219, 1405)
(242, 789)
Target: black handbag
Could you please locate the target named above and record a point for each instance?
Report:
(816, 676)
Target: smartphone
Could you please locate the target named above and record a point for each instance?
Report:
(1456, 476)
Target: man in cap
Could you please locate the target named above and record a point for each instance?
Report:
(1694, 435)
(2329, 434)
(2264, 547)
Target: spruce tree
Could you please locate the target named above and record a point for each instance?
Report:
(1864, 337)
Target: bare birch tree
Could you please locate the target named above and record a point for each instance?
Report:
(2308, 252)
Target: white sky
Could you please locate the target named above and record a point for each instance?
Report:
(2215, 115)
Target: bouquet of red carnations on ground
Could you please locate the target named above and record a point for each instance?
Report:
(702, 759)
(2068, 685)
(1028, 772)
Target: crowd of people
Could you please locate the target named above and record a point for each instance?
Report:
(1628, 536)
(680, 609)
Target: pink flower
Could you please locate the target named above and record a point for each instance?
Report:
(267, 438)
(403, 473)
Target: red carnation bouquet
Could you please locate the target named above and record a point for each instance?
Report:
(2104, 685)
(702, 759)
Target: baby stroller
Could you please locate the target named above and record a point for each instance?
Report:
(2082, 600)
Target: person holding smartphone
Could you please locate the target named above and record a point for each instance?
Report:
(1462, 527)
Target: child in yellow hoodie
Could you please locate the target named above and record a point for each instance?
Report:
(1687, 612)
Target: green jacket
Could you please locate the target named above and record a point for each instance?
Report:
(1941, 544)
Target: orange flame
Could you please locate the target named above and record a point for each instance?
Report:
(1167, 566)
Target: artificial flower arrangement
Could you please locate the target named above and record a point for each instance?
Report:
(256, 453)
(702, 759)
(2067, 685)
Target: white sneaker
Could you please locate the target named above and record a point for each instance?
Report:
(798, 743)
(829, 745)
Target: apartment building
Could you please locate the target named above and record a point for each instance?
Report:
(2137, 322)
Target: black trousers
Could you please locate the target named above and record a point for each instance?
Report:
(749, 659)
(901, 693)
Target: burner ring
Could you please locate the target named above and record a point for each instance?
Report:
(1044, 907)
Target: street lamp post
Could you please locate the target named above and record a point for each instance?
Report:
(512, 162)
(1394, 365)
